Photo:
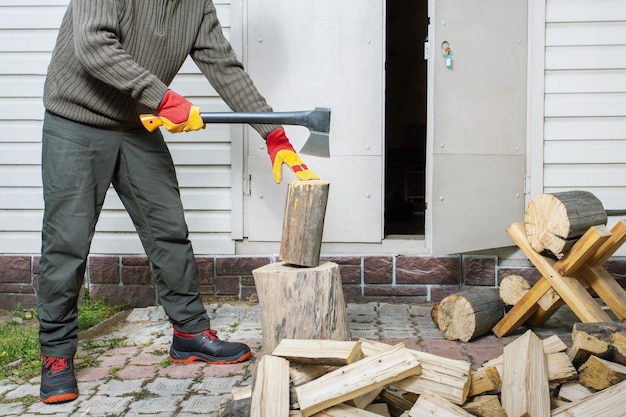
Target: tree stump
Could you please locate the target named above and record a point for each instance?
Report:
(554, 222)
(303, 223)
(300, 303)
(469, 313)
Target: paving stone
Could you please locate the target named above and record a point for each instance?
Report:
(117, 388)
(362, 309)
(163, 386)
(365, 334)
(363, 318)
(216, 386)
(24, 390)
(11, 409)
(398, 334)
(203, 404)
(156, 406)
(393, 309)
(104, 406)
(40, 408)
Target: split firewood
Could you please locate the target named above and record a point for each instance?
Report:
(445, 377)
(484, 380)
(429, 404)
(604, 340)
(270, 393)
(343, 410)
(241, 392)
(573, 391)
(380, 409)
(362, 401)
(605, 403)
(600, 374)
(470, 313)
(525, 390)
(356, 379)
(300, 373)
(559, 368)
(397, 405)
(554, 222)
(512, 288)
(319, 352)
(485, 406)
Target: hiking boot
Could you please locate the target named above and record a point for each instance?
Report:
(206, 346)
(58, 382)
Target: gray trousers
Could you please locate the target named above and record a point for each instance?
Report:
(79, 163)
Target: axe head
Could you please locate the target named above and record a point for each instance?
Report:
(319, 126)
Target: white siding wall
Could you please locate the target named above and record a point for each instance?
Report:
(585, 99)
(27, 34)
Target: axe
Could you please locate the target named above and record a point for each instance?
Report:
(317, 121)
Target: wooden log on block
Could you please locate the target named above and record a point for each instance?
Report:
(554, 222)
(604, 340)
(303, 224)
(445, 377)
(470, 313)
(525, 389)
(485, 406)
(429, 404)
(270, 393)
(353, 380)
(605, 403)
(300, 303)
(512, 288)
(600, 374)
(320, 352)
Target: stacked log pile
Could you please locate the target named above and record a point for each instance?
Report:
(366, 378)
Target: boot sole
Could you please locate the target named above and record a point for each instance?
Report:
(212, 360)
(59, 398)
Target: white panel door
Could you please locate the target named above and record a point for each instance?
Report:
(477, 123)
(303, 54)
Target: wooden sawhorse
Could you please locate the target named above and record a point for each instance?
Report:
(569, 280)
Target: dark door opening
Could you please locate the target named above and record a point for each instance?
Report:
(405, 117)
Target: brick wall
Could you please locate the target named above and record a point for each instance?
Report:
(405, 279)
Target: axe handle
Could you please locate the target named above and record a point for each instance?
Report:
(151, 121)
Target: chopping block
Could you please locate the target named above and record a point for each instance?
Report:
(301, 298)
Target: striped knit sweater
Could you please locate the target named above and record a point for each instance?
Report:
(114, 60)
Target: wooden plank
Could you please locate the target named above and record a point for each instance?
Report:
(608, 248)
(319, 352)
(270, 393)
(356, 379)
(574, 294)
(525, 390)
(612, 293)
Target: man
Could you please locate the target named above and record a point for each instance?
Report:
(114, 60)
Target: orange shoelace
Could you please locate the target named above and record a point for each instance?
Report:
(55, 364)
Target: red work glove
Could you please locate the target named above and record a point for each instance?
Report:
(178, 114)
(281, 151)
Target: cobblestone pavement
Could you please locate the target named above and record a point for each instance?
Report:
(129, 373)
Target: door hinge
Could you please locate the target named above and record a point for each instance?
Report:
(247, 185)
(527, 184)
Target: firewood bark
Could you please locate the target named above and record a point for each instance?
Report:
(604, 340)
(469, 313)
(303, 224)
(525, 390)
(600, 374)
(512, 288)
(300, 303)
(554, 222)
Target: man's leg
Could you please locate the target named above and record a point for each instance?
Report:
(147, 185)
(75, 173)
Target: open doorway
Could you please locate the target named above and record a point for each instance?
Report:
(405, 117)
